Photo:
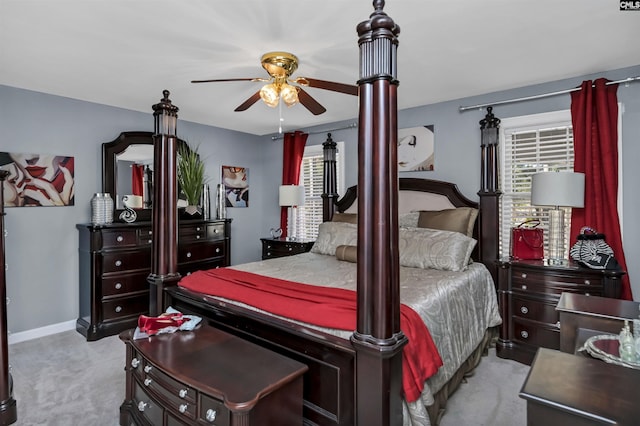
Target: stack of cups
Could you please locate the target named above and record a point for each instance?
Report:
(101, 208)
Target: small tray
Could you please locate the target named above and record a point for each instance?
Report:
(607, 348)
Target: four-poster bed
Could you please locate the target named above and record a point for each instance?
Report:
(357, 377)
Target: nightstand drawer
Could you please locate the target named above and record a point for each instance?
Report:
(535, 310)
(280, 247)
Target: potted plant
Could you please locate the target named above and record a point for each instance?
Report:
(191, 180)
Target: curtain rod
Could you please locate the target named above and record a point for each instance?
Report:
(350, 126)
(544, 95)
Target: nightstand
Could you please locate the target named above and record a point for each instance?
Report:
(528, 292)
(280, 247)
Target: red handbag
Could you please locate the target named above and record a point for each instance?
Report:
(527, 241)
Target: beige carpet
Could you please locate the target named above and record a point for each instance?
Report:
(64, 380)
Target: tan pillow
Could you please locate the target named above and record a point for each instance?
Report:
(345, 217)
(347, 253)
(461, 219)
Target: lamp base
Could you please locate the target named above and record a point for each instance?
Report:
(556, 237)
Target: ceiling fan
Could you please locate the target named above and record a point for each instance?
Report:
(280, 66)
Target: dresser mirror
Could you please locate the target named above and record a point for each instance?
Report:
(127, 173)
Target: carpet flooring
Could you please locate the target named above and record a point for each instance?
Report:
(63, 380)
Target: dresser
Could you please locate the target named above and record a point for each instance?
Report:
(280, 247)
(209, 377)
(114, 263)
(528, 292)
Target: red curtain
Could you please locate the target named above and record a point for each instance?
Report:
(137, 179)
(292, 153)
(594, 113)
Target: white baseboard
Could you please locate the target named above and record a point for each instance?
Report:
(35, 333)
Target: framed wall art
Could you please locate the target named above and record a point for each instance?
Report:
(236, 184)
(416, 149)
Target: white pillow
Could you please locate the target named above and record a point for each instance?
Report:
(408, 220)
(334, 234)
(435, 249)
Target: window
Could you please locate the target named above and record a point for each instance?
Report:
(531, 144)
(309, 216)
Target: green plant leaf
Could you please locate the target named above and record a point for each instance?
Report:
(190, 174)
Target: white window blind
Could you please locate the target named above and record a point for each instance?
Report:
(531, 144)
(309, 216)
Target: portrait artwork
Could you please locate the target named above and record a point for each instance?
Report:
(37, 179)
(236, 184)
(416, 149)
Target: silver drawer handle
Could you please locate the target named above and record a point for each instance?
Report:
(197, 237)
(268, 253)
(118, 309)
(198, 228)
(216, 231)
(290, 248)
(211, 415)
(118, 262)
(524, 310)
(118, 286)
(120, 238)
(524, 334)
(147, 381)
(150, 241)
(148, 368)
(587, 282)
(268, 246)
(183, 408)
(524, 287)
(135, 362)
(558, 325)
(189, 254)
(142, 406)
(587, 294)
(523, 275)
(182, 393)
(218, 250)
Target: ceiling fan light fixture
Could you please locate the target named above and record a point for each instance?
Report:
(270, 95)
(289, 94)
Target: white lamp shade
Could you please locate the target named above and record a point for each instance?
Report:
(291, 195)
(563, 189)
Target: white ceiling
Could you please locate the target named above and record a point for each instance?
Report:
(125, 52)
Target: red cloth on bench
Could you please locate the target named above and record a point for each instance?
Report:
(322, 306)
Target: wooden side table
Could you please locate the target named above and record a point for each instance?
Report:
(209, 377)
(564, 389)
(280, 247)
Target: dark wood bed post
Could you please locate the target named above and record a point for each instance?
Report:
(330, 183)
(378, 339)
(489, 194)
(8, 411)
(164, 224)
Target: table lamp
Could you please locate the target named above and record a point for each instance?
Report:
(291, 196)
(557, 189)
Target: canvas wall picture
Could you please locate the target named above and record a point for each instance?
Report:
(37, 180)
(236, 184)
(416, 149)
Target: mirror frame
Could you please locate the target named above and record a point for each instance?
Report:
(109, 172)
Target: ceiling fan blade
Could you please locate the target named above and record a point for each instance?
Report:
(246, 104)
(310, 103)
(227, 79)
(349, 89)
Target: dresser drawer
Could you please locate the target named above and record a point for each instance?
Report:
(152, 411)
(172, 393)
(126, 261)
(125, 306)
(535, 310)
(123, 284)
(199, 251)
(536, 335)
(204, 231)
(548, 283)
(213, 411)
(188, 267)
(113, 238)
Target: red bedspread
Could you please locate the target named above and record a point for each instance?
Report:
(322, 306)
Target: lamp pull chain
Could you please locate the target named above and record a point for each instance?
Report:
(280, 118)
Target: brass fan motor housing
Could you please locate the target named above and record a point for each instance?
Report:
(279, 65)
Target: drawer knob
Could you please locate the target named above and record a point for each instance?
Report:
(268, 246)
(524, 287)
(217, 249)
(118, 309)
(142, 405)
(587, 294)
(120, 238)
(198, 228)
(268, 253)
(210, 415)
(524, 334)
(290, 248)
(148, 368)
(587, 282)
(147, 381)
(558, 325)
(216, 231)
(118, 286)
(182, 393)
(189, 254)
(183, 408)
(135, 362)
(118, 263)
(523, 275)
(150, 241)
(524, 310)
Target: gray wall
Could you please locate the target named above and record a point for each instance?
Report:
(42, 275)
